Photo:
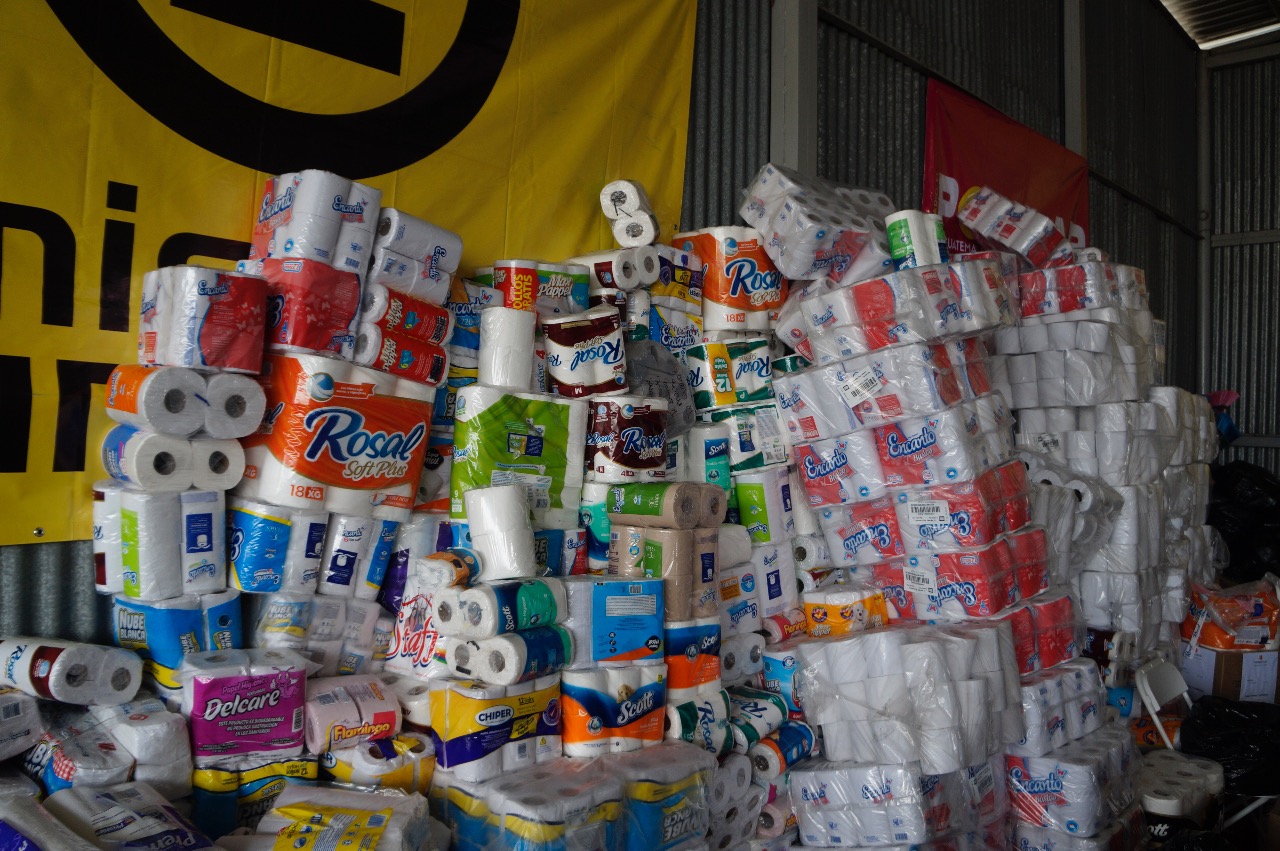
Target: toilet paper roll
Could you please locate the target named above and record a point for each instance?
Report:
(735, 544)
(150, 544)
(108, 565)
(714, 506)
(622, 199)
(413, 237)
(731, 783)
(670, 505)
(778, 752)
(202, 541)
(148, 461)
(234, 405)
(166, 400)
(499, 608)
(614, 269)
(516, 657)
(405, 315)
(741, 657)
(216, 465)
(501, 532)
(506, 339)
(627, 439)
(810, 553)
(635, 231)
(149, 732)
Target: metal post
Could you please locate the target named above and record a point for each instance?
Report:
(1074, 115)
(793, 101)
(1204, 269)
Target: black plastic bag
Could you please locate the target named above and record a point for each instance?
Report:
(1245, 507)
(1197, 840)
(1243, 737)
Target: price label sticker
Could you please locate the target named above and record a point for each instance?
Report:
(929, 512)
(1048, 441)
(921, 580)
(860, 386)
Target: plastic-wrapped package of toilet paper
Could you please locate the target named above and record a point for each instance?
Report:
(776, 572)
(161, 632)
(741, 287)
(473, 723)
(314, 307)
(75, 750)
(317, 452)
(614, 620)
(692, 650)
(244, 701)
(665, 796)
(343, 712)
(417, 649)
(612, 710)
(204, 319)
(405, 762)
(525, 438)
(20, 725)
(739, 600)
(627, 439)
(862, 533)
(273, 548)
(1003, 225)
(840, 470)
(585, 353)
(82, 674)
(764, 504)
(842, 609)
(124, 816)
(702, 719)
(513, 658)
(328, 816)
(741, 658)
(814, 227)
(164, 400)
(400, 355)
(235, 792)
(484, 611)
(412, 237)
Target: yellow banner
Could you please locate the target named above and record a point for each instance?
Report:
(137, 134)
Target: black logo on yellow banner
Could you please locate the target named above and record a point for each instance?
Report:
(135, 53)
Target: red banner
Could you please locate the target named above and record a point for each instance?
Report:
(968, 145)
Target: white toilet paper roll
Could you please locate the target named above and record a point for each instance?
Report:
(635, 231)
(51, 669)
(735, 544)
(501, 532)
(164, 399)
(506, 339)
(146, 460)
(620, 199)
(216, 464)
(234, 405)
(107, 556)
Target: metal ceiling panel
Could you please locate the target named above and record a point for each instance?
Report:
(1213, 20)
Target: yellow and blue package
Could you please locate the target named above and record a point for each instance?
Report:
(665, 795)
(161, 632)
(237, 792)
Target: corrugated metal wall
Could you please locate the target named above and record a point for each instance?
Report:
(1245, 169)
(1140, 82)
(871, 102)
(729, 109)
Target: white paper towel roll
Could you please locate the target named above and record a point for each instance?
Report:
(506, 341)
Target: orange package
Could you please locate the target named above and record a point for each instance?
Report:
(1244, 617)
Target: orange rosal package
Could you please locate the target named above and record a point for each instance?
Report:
(738, 273)
(1244, 617)
(341, 433)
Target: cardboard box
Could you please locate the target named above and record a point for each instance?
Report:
(1234, 674)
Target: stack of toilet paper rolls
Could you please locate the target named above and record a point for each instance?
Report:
(626, 205)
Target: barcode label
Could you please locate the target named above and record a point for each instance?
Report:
(929, 512)
(859, 387)
(377, 820)
(297, 719)
(13, 710)
(1048, 441)
(920, 580)
(983, 781)
(325, 698)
